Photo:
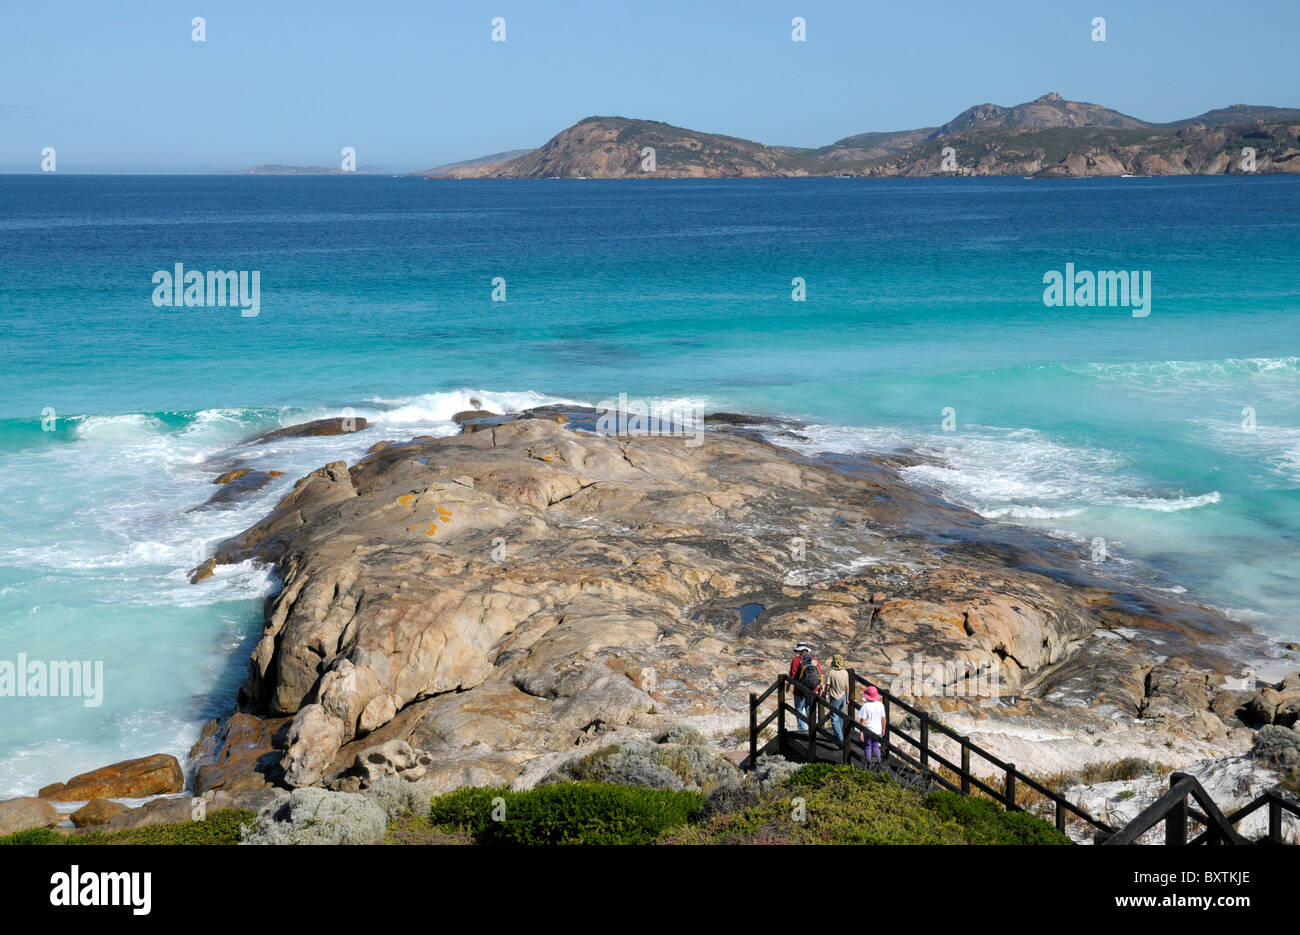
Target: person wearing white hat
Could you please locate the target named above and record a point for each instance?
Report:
(806, 672)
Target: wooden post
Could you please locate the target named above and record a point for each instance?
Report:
(753, 730)
(1275, 820)
(1176, 819)
(884, 738)
(965, 766)
(850, 717)
(925, 744)
(780, 721)
(1009, 790)
(1060, 816)
(846, 734)
(813, 701)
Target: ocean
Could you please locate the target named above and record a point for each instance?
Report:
(1173, 437)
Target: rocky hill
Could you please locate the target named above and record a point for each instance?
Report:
(1048, 137)
(1241, 113)
(1050, 110)
(613, 147)
(1072, 152)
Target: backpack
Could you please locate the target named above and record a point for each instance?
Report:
(809, 676)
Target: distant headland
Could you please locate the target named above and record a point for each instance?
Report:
(1049, 137)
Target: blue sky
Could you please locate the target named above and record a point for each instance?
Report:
(123, 88)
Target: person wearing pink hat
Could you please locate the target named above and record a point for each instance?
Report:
(871, 715)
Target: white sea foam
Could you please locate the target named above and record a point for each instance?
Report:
(1185, 369)
(1033, 512)
(1015, 474)
(1165, 504)
(117, 429)
(440, 407)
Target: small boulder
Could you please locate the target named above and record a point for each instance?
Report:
(236, 474)
(163, 811)
(159, 774)
(1229, 704)
(1288, 709)
(26, 813)
(203, 571)
(237, 485)
(97, 811)
(1262, 706)
(472, 415)
(342, 425)
(735, 418)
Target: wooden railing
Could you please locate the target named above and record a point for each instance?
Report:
(921, 754)
(1173, 809)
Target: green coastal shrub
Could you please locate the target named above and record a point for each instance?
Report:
(593, 813)
(567, 813)
(828, 805)
(986, 822)
(824, 803)
(468, 809)
(220, 827)
(34, 836)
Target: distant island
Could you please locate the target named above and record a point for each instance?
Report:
(1049, 137)
(312, 170)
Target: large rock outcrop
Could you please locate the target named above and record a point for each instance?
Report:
(515, 592)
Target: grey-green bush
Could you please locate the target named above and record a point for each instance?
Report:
(682, 762)
(397, 797)
(1278, 746)
(684, 734)
(771, 771)
(318, 816)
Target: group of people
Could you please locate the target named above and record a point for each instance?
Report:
(833, 687)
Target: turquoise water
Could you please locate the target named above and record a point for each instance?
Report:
(376, 295)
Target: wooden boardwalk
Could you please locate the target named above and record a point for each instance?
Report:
(933, 753)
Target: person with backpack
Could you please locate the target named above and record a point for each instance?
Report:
(807, 674)
(872, 716)
(837, 693)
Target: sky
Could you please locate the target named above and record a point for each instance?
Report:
(123, 87)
